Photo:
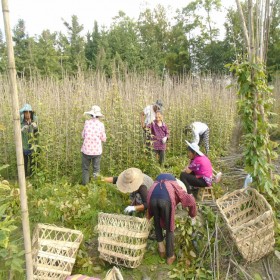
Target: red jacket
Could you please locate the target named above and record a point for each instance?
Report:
(176, 194)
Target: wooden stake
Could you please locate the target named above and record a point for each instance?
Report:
(18, 142)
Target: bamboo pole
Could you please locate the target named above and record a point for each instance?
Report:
(251, 31)
(18, 142)
(245, 31)
(267, 19)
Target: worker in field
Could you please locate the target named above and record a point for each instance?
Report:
(93, 135)
(163, 196)
(199, 172)
(159, 136)
(29, 129)
(199, 134)
(137, 184)
(147, 116)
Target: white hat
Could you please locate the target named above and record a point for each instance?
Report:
(130, 180)
(95, 111)
(194, 147)
(181, 184)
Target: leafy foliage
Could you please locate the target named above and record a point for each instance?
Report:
(188, 43)
(254, 104)
(11, 250)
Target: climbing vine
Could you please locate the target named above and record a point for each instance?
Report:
(254, 108)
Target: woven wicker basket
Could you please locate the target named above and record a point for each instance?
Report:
(122, 239)
(54, 251)
(114, 274)
(249, 218)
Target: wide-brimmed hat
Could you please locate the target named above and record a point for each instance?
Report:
(95, 111)
(130, 180)
(26, 108)
(194, 147)
(181, 184)
(159, 104)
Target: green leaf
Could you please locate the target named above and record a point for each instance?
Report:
(257, 276)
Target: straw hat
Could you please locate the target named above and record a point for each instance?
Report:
(194, 147)
(130, 180)
(95, 111)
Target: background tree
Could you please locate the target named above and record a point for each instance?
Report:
(92, 47)
(72, 47)
(273, 58)
(154, 42)
(124, 42)
(46, 56)
(23, 49)
(177, 57)
(154, 29)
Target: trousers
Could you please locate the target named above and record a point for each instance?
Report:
(86, 160)
(162, 210)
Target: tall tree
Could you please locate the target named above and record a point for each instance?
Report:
(177, 57)
(46, 55)
(92, 47)
(72, 47)
(124, 41)
(23, 50)
(154, 29)
(202, 32)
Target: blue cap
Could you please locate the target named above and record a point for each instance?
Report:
(25, 108)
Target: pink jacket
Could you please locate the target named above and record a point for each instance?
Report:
(93, 134)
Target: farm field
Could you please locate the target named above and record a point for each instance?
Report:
(55, 193)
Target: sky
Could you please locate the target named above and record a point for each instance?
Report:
(40, 15)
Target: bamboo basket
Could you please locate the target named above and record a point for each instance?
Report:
(122, 239)
(54, 251)
(114, 274)
(249, 218)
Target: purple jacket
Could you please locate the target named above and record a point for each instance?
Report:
(158, 132)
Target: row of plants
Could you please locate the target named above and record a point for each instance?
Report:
(55, 195)
(74, 206)
(60, 107)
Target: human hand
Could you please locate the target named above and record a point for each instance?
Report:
(34, 125)
(193, 221)
(164, 139)
(129, 209)
(24, 128)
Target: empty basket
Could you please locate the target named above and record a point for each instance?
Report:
(122, 239)
(54, 251)
(249, 218)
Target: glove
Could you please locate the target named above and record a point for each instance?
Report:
(193, 222)
(24, 128)
(34, 124)
(164, 139)
(129, 209)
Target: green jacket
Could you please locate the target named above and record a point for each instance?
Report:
(26, 131)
